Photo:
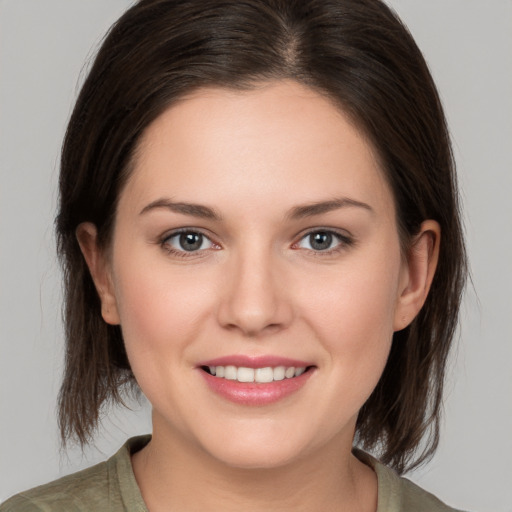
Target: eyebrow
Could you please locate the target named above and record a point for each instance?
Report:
(196, 210)
(298, 212)
(317, 208)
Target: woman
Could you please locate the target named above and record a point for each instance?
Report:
(259, 228)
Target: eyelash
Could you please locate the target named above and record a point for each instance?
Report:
(165, 242)
(344, 241)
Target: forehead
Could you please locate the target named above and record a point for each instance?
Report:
(276, 108)
(277, 138)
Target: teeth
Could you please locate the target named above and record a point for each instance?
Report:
(279, 373)
(259, 375)
(289, 372)
(230, 372)
(264, 375)
(245, 375)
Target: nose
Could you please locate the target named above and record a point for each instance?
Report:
(255, 299)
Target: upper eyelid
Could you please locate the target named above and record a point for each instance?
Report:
(178, 231)
(164, 241)
(342, 233)
(345, 241)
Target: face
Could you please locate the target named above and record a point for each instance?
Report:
(256, 240)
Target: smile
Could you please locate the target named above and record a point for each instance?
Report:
(257, 380)
(257, 375)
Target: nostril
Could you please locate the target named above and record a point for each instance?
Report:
(255, 310)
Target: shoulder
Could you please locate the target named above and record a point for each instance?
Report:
(416, 498)
(71, 493)
(399, 494)
(105, 486)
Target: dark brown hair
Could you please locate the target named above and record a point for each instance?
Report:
(356, 52)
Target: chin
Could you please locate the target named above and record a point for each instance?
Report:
(261, 449)
(258, 458)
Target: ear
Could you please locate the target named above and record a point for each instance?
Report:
(417, 273)
(99, 267)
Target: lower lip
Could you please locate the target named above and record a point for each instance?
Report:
(251, 393)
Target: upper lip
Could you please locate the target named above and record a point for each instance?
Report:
(246, 361)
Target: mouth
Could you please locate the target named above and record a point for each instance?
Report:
(255, 381)
(262, 375)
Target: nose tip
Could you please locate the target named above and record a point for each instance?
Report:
(252, 323)
(255, 301)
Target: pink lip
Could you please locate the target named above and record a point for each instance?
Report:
(255, 361)
(250, 393)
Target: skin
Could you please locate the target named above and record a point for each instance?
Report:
(257, 287)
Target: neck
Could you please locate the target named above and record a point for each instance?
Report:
(173, 475)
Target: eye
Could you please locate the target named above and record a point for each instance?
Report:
(323, 241)
(188, 241)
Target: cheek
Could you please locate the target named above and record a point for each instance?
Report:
(360, 330)
(161, 311)
(353, 315)
(355, 303)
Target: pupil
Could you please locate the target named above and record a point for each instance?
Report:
(321, 241)
(191, 241)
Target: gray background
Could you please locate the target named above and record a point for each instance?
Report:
(43, 45)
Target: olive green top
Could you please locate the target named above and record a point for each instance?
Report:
(111, 486)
